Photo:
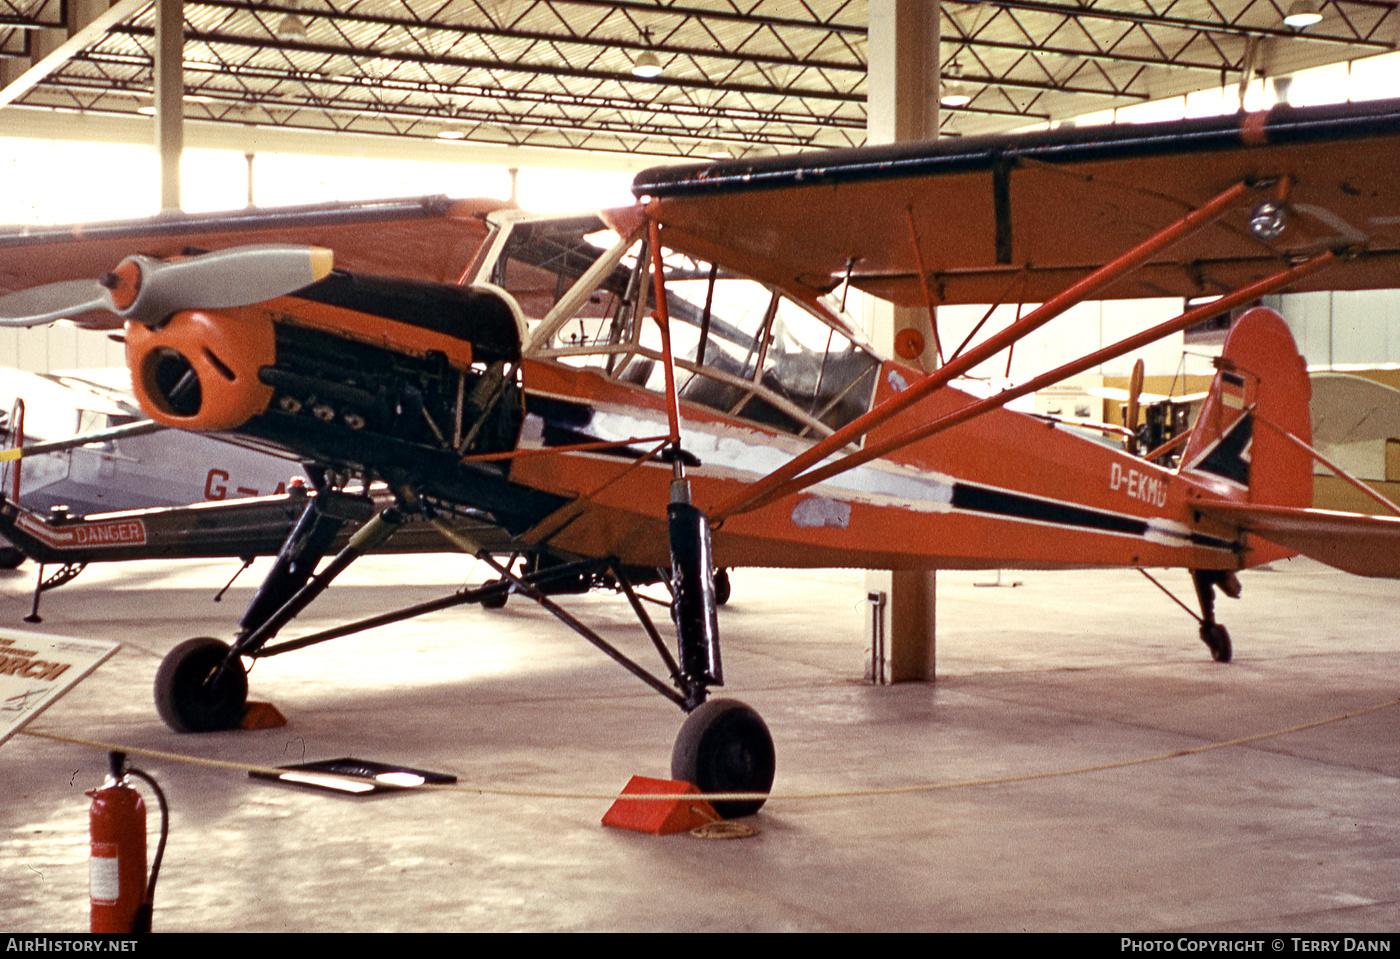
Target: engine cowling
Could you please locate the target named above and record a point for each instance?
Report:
(360, 371)
(200, 370)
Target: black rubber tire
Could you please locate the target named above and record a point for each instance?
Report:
(10, 557)
(725, 746)
(496, 600)
(723, 588)
(1217, 637)
(185, 703)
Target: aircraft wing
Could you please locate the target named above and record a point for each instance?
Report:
(253, 526)
(1351, 409)
(1354, 542)
(427, 238)
(988, 219)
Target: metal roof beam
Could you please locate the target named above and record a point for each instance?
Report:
(497, 65)
(72, 46)
(13, 17)
(609, 43)
(1103, 56)
(1049, 86)
(711, 13)
(1087, 12)
(531, 98)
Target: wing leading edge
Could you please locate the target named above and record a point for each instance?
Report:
(427, 238)
(1023, 217)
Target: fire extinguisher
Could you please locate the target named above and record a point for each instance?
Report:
(122, 898)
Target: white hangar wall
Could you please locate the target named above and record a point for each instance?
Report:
(1344, 330)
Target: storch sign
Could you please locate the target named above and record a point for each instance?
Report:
(38, 668)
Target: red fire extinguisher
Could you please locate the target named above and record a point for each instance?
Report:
(121, 897)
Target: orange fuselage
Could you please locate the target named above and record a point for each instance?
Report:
(1005, 490)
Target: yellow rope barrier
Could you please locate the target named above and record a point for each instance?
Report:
(786, 796)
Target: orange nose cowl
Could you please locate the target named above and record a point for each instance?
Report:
(200, 370)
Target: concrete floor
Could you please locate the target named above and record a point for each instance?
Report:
(1298, 832)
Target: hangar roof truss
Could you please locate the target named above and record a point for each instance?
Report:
(740, 76)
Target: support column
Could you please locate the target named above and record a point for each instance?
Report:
(169, 93)
(903, 85)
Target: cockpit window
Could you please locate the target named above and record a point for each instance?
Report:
(740, 347)
(543, 259)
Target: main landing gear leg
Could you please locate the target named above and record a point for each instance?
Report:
(201, 685)
(1213, 634)
(724, 746)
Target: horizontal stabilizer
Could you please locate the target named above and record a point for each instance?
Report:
(1354, 542)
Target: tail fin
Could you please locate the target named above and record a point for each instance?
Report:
(1260, 375)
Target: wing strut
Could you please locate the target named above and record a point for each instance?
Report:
(10, 474)
(139, 428)
(688, 528)
(663, 320)
(973, 410)
(923, 281)
(1021, 277)
(1110, 272)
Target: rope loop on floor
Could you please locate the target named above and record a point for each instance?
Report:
(776, 795)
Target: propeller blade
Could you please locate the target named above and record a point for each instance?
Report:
(239, 276)
(148, 290)
(1135, 394)
(1134, 402)
(52, 301)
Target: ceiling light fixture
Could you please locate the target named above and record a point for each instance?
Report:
(954, 90)
(1303, 13)
(646, 65)
(291, 27)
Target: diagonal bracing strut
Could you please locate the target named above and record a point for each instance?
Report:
(1192, 222)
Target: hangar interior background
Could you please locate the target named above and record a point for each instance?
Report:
(558, 102)
(466, 89)
(302, 100)
(296, 101)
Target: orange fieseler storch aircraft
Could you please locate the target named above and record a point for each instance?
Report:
(653, 393)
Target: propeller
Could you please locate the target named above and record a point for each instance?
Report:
(1134, 403)
(147, 290)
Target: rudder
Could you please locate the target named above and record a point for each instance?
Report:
(1260, 377)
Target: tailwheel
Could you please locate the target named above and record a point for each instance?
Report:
(188, 698)
(725, 746)
(1217, 637)
(1213, 634)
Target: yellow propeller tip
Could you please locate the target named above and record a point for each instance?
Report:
(322, 260)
